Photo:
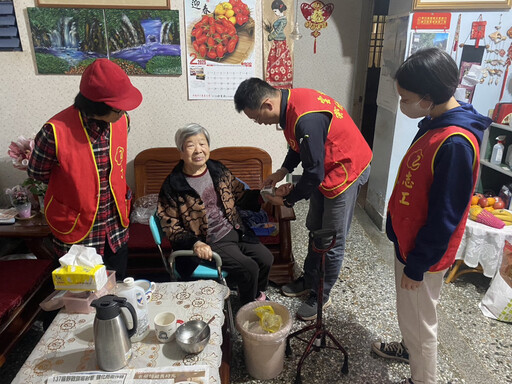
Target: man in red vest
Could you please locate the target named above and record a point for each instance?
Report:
(336, 162)
(81, 154)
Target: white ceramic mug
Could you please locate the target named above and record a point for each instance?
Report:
(147, 286)
(165, 326)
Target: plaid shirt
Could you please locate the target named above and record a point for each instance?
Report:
(107, 225)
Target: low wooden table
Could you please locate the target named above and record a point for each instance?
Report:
(35, 232)
(68, 346)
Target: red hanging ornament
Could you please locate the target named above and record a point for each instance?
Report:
(508, 62)
(316, 15)
(478, 30)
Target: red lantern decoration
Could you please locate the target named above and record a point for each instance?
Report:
(316, 15)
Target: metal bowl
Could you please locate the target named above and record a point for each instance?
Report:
(186, 332)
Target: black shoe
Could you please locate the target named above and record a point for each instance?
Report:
(309, 309)
(295, 288)
(394, 350)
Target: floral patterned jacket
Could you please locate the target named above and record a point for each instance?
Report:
(182, 212)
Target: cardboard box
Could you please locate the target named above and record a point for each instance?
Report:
(79, 278)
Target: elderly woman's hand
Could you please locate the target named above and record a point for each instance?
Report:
(203, 250)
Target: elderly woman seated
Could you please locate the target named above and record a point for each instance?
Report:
(198, 209)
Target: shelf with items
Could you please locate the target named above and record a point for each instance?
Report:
(494, 176)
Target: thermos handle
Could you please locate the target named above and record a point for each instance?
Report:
(124, 303)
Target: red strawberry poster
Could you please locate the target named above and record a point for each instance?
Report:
(220, 46)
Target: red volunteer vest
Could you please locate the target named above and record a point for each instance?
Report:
(408, 205)
(346, 152)
(72, 199)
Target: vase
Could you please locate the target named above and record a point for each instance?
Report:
(41, 203)
(24, 210)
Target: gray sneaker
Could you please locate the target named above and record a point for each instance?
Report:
(394, 350)
(295, 288)
(308, 309)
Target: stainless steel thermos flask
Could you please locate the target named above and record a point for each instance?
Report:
(111, 335)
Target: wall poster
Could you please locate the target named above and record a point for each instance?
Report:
(142, 42)
(277, 45)
(220, 46)
(423, 40)
(393, 53)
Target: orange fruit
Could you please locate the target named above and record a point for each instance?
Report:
(491, 200)
(474, 200)
(490, 209)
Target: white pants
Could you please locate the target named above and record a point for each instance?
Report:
(417, 318)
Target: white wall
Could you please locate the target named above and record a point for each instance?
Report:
(27, 99)
(394, 132)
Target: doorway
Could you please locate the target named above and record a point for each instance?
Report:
(380, 11)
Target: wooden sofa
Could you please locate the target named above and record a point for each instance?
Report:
(252, 165)
(23, 285)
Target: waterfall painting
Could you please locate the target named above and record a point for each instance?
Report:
(142, 42)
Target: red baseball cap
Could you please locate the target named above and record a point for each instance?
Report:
(105, 81)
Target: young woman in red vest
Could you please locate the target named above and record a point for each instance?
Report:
(81, 154)
(428, 208)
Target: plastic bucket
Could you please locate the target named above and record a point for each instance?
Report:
(264, 353)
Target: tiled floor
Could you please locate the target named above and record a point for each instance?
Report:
(472, 348)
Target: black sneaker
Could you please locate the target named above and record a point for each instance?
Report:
(295, 288)
(394, 350)
(308, 310)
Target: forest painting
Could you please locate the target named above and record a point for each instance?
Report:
(142, 42)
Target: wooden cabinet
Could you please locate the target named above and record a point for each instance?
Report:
(493, 176)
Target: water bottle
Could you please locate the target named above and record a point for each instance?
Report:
(136, 296)
(497, 150)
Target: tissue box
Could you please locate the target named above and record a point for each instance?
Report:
(80, 278)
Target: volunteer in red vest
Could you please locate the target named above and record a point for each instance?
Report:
(336, 163)
(81, 154)
(428, 208)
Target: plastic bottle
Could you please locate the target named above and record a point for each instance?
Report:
(136, 296)
(497, 150)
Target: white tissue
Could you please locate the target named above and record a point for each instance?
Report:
(473, 76)
(81, 255)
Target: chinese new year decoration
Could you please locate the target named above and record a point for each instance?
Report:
(316, 15)
(478, 30)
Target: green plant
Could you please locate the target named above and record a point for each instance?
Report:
(36, 187)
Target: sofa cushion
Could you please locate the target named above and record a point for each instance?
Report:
(141, 238)
(18, 280)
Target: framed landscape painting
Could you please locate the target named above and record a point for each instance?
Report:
(142, 4)
(142, 42)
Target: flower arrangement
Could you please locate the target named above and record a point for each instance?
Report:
(20, 152)
(18, 195)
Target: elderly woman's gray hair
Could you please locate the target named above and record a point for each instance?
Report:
(184, 133)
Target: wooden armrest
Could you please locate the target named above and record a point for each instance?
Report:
(279, 212)
(285, 213)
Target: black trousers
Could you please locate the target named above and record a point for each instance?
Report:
(248, 265)
(117, 261)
